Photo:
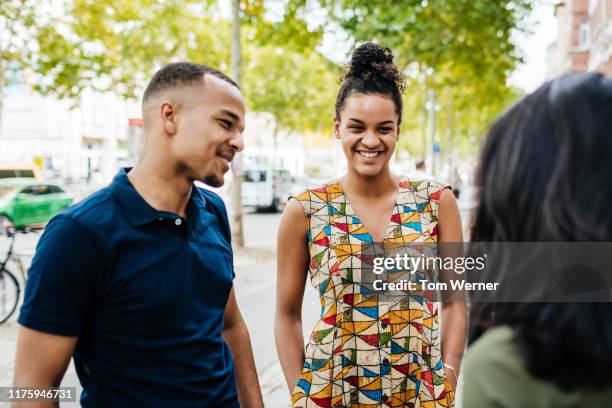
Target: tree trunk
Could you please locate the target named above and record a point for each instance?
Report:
(424, 127)
(236, 60)
(432, 129)
(2, 79)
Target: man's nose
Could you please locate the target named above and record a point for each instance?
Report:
(237, 142)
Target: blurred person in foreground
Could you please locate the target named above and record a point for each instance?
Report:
(544, 176)
(366, 350)
(135, 281)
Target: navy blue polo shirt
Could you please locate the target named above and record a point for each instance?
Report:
(145, 292)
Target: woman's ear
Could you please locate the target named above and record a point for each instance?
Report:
(336, 128)
(398, 132)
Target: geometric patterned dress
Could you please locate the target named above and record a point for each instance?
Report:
(364, 352)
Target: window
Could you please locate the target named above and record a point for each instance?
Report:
(54, 189)
(30, 190)
(282, 176)
(584, 34)
(10, 173)
(254, 176)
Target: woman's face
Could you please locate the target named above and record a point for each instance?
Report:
(368, 131)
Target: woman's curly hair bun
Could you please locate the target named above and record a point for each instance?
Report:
(372, 71)
(372, 61)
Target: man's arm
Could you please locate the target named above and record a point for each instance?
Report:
(58, 301)
(41, 361)
(237, 337)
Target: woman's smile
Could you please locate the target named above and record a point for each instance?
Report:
(370, 154)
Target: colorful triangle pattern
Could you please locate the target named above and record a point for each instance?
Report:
(366, 352)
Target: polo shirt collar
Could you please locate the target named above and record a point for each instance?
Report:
(138, 211)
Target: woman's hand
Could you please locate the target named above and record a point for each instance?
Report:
(451, 376)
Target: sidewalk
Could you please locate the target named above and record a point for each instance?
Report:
(255, 287)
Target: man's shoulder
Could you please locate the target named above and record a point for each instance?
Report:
(212, 197)
(97, 208)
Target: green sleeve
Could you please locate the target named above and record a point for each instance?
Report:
(494, 373)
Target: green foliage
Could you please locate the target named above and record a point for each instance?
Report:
(460, 48)
(17, 24)
(118, 45)
(285, 75)
(114, 44)
(298, 89)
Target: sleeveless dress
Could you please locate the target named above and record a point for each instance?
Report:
(362, 352)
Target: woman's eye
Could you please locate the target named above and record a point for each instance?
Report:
(356, 129)
(385, 130)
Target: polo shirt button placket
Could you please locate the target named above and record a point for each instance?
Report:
(178, 222)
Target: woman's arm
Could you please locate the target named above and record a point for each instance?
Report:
(454, 313)
(292, 269)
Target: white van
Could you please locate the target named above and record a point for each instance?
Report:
(266, 189)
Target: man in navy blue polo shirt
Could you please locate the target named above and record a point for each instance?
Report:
(135, 281)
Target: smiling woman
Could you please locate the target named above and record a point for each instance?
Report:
(366, 351)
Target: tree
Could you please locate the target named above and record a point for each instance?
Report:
(17, 24)
(116, 45)
(298, 89)
(286, 75)
(462, 49)
(237, 230)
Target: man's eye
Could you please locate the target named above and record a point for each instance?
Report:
(226, 124)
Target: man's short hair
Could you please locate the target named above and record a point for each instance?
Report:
(181, 74)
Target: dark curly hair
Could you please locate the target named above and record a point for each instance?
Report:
(372, 71)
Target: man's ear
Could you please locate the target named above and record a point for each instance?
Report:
(336, 128)
(168, 117)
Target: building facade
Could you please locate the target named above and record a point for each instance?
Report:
(74, 143)
(584, 38)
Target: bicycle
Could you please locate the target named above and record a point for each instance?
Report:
(10, 289)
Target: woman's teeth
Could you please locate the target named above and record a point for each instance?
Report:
(368, 155)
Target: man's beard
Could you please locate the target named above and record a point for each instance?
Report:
(213, 180)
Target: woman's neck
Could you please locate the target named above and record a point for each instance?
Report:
(381, 184)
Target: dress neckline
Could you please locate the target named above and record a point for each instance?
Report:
(389, 220)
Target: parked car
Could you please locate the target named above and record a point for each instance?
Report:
(27, 201)
(266, 189)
